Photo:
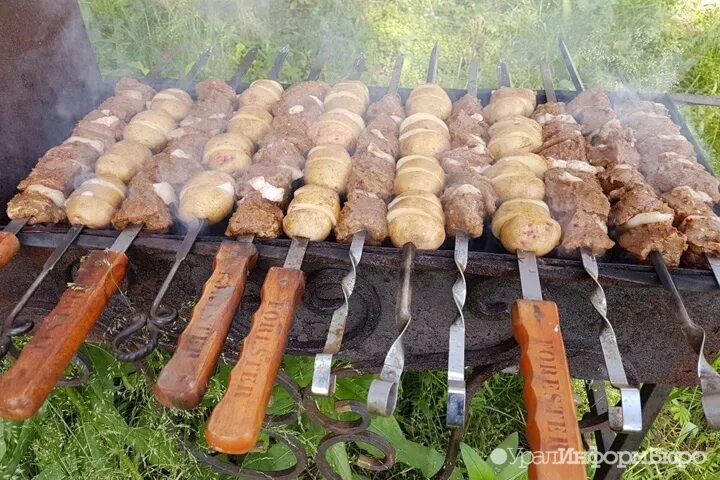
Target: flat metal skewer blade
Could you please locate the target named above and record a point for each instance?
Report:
(193, 232)
(714, 266)
(695, 335)
(570, 65)
(529, 276)
(547, 82)
(628, 417)
(472, 88)
(49, 265)
(162, 63)
(323, 382)
(126, 237)
(280, 58)
(395, 77)
(456, 401)
(16, 225)
(433, 64)
(503, 74)
(358, 67)
(296, 253)
(197, 68)
(319, 63)
(383, 393)
(243, 68)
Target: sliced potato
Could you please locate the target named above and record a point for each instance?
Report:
(538, 235)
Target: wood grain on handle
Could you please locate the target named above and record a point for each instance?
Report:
(29, 381)
(552, 424)
(236, 421)
(183, 381)
(9, 247)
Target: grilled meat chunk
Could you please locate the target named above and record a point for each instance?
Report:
(647, 125)
(703, 238)
(372, 175)
(686, 202)
(290, 131)
(476, 156)
(630, 107)
(583, 230)
(666, 174)
(635, 200)
(612, 144)
(362, 211)
(143, 205)
(467, 204)
(661, 237)
(189, 144)
(468, 130)
(60, 166)
(619, 176)
(257, 216)
(37, 207)
(280, 152)
(390, 105)
(380, 135)
(564, 146)
(568, 191)
(652, 147)
(173, 169)
(128, 85)
(271, 182)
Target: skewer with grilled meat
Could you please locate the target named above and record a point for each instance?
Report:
(468, 198)
(671, 169)
(572, 191)
(637, 214)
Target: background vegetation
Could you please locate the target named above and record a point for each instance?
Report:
(112, 427)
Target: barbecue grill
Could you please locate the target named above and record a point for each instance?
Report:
(643, 313)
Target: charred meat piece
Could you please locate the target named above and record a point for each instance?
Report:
(173, 169)
(37, 207)
(257, 216)
(466, 206)
(468, 130)
(271, 182)
(652, 147)
(143, 205)
(583, 230)
(390, 105)
(666, 175)
(619, 176)
(686, 202)
(564, 146)
(611, 145)
(568, 191)
(60, 166)
(127, 85)
(639, 199)
(280, 152)
(661, 237)
(362, 211)
(372, 175)
(703, 238)
(647, 125)
(291, 131)
(629, 107)
(467, 104)
(190, 144)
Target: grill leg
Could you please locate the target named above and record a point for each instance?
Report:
(597, 398)
(653, 398)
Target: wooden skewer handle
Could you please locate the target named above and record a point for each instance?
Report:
(29, 381)
(236, 421)
(183, 381)
(552, 424)
(9, 247)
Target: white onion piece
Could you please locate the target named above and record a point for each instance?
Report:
(648, 217)
(56, 196)
(165, 191)
(267, 190)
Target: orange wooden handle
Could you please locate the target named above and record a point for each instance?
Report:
(9, 247)
(236, 421)
(552, 424)
(29, 381)
(183, 381)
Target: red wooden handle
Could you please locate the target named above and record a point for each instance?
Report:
(29, 381)
(552, 424)
(9, 247)
(183, 381)
(236, 421)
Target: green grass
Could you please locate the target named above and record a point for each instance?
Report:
(113, 428)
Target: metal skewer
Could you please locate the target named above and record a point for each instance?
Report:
(8, 330)
(694, 333)
(161, 316)
(457, 396)
(628, 417)
(183, 381)
(323, 382)
(382, 395)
